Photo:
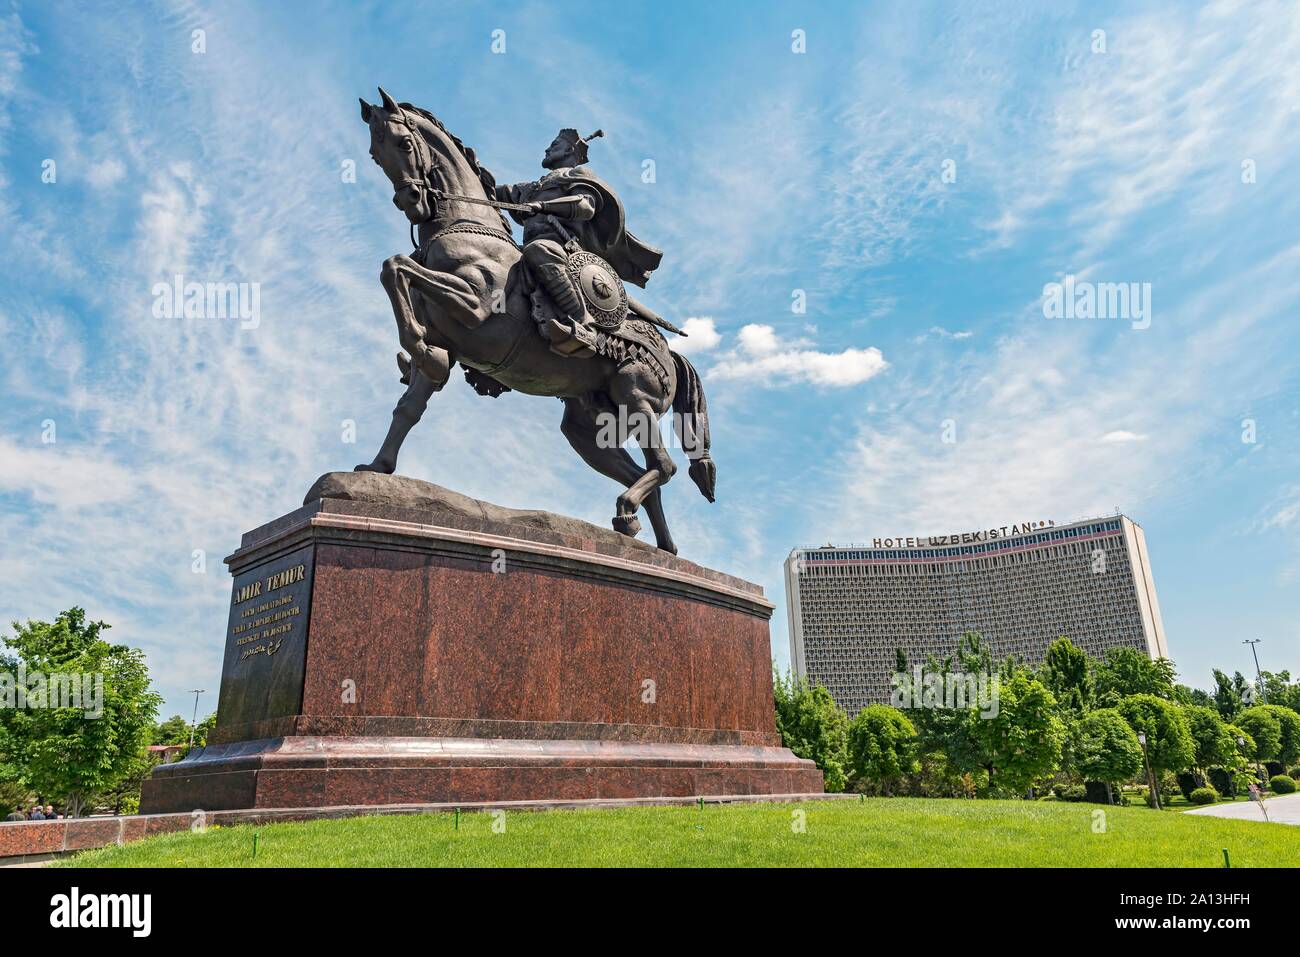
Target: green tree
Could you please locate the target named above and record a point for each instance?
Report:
(953, 732)
(813, 726)
(882, 746)
(1067, 674)
(1169, 741)
(1212, 737)
(70, 754)
(1185, 694)
(123, 795)
(175, 730)
(1125, 672)
(1227, 698)
(1103, 747)
(1280, 690)
(1288, 748)
(1024, 739)
(204, 729)
(1265, 730)
(1239, 766)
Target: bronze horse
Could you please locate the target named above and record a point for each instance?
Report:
(462, 298)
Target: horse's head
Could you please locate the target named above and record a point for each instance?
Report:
(419, 155)
(401, 148)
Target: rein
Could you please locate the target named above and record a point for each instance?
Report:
(426, 167)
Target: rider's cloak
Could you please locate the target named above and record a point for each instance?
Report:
(606, 234)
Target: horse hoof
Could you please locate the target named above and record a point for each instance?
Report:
(670, 548)
(376, 467)
(628, 525)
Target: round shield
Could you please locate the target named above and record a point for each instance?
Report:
(601, 287)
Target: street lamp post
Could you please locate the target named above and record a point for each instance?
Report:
(194, 725)
(1151, 781)
(1259, 675)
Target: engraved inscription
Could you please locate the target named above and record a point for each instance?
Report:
(262, 629)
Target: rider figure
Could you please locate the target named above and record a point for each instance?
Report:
(571, 208)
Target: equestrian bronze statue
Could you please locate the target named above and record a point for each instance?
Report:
(551, 317)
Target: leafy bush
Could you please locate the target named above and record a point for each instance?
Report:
(1204, 796)
(1168, 783)
(882, 746)
(1282, 784)
(1295, 772)
(813, 726)
(1189, 781)
(1221, 780)
(1071, 792)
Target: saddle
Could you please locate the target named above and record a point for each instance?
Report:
(617, 334)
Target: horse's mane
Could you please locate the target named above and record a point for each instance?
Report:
(484, 174)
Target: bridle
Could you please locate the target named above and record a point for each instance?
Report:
(425, 178)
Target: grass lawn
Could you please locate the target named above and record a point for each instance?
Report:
(899, 832)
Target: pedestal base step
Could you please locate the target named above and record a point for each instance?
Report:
(303, 772)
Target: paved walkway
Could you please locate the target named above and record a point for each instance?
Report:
(1282, 809)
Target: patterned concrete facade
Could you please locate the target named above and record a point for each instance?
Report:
(1020, 587)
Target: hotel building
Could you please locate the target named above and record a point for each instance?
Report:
(1020, 586)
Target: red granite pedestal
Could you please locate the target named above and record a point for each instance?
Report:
(392, 642)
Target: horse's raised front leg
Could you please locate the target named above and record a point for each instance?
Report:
(409, 409)
(448, 293)
(433, 361)
(458, 295)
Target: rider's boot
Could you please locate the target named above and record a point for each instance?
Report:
(566, 339)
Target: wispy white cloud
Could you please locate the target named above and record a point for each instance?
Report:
(1284, 511)
(940, 332)
(763, 358)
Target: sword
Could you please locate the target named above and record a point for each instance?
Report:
(643, 312)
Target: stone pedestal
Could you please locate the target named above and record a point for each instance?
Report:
(392, 642)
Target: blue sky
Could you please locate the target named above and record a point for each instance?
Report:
(775, 171)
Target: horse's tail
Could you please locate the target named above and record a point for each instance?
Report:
(691, 419)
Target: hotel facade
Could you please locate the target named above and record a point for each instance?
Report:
(1020, 586)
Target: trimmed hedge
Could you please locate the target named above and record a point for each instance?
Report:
(1204, 796)
(1189, 781)
(1097, 793)
(1222, 782)
(1281, 784)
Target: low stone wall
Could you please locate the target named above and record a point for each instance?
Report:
(21, 839)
